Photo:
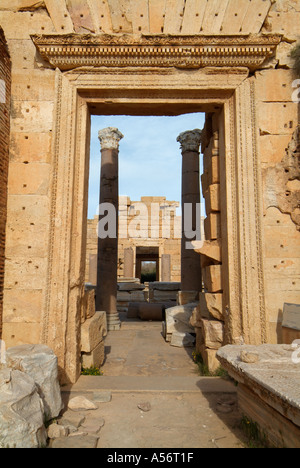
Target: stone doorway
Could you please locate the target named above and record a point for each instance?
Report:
(147, 256)
(222, 92)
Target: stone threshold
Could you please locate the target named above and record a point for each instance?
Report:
(123, 384)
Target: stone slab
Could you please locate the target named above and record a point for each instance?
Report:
(275, 378)
(95, 358)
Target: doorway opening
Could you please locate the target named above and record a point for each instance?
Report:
(149, 174)
(147, 264)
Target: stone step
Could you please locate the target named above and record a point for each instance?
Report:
(123, 384)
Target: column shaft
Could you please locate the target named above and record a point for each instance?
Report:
(107, 267)
(191, 277)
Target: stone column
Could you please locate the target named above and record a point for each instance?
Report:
(166, 268)
(191, 278)
(107, 270)
(128, 263)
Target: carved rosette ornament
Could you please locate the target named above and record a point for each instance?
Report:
(190, 140)
(109, 138)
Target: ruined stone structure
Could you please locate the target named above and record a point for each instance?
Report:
(227, 58)
(149, 230)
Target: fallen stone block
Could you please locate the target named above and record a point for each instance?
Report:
(178, 319)
(268, 390)
(21, 411)
(40, 363)
(153, 312)
(182, 340)
(92, 332)
(95, 358)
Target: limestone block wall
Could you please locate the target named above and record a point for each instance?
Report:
(5, 87)
(208, 318)
(278, 114)
(29, 180)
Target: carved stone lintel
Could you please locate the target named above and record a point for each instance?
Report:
(68, 52)
(190, 140)
(110, 137)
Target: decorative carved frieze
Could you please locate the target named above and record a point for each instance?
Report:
(72, 51)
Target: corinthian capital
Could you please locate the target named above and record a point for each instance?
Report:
(190, 140)
(109, 138)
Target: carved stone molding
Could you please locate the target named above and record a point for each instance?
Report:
(190, 140)
(109, 138)
(72, 51)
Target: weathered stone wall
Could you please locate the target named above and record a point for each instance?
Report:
(5, 85)
(30, 159)
(278, 126)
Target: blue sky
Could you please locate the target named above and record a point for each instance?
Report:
(149, 157)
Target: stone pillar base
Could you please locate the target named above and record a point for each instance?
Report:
(113, 321)
(187, 297)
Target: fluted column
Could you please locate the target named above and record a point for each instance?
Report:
(191, 278)
(107, 268)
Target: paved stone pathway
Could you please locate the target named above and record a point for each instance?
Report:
(151, 396)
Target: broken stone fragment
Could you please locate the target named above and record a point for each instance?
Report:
(21, 411)
(40, 363)
(249, 358)
(56, 430)
(145, 407)
(81, 403)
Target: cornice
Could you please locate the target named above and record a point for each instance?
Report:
(67, 52)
